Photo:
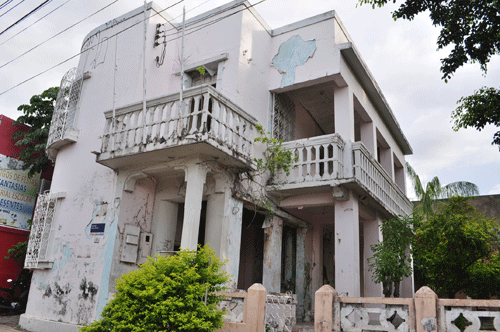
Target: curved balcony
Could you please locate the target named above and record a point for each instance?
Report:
(208, 124)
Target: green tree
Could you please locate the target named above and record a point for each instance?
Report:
(434, 190)
(37, 115)
(458, 248)
(174, 293)
(472, 29)
(479, 110)
(391, 261)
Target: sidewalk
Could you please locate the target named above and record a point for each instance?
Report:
(9, 323)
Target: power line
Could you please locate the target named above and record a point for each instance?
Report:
(74, 56)
(25, 16)
(12, 8)
(41, 18)
(5, 3)
(57, 34)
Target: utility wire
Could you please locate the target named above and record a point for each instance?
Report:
(41, 18)
(74, 56)
(25, 16)
(5, 3)
(119, 32)
(12, 8)
(57, 34)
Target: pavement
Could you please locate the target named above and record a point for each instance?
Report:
(9, 323)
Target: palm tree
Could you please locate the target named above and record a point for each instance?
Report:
(433, 191)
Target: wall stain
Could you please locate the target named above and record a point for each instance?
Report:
(60, 295)
(89, 290)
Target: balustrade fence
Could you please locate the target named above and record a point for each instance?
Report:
(423, 313)
(206, 114)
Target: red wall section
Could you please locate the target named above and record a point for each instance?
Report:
(10, 269)
(7, 147)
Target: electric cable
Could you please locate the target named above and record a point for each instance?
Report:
(25, 16)
(5, 3)
(57, 34)
(81, 52)
(74, 56)
(41, 18)
(12, 8)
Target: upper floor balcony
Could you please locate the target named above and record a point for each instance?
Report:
(208, 124)
(328, 161)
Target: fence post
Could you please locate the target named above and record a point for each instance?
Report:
(323, 309)
(254, 312)
(425, 310)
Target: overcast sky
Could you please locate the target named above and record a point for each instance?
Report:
(401, 55)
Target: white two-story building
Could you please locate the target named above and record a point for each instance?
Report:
(139, 173)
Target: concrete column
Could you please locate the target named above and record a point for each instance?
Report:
(368, 137)
(372, 234)
(344, 113)
(273, 234)
(347, 278)
(223, 227)
(254, 313)
(300, 274)
(407, 284)
(195, 175)
(425, 310)
(164, 226)
(317, 260)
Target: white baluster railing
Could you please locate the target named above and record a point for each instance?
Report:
(207, 114)
(371, 174)
(319, 158)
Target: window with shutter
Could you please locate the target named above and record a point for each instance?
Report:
(38, 252)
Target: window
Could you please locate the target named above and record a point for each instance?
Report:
(283, 118)
(37, 254)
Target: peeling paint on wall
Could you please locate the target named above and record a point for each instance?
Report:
(292, 53)
(107, 256)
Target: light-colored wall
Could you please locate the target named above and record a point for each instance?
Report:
(367, 105)
(324, 62)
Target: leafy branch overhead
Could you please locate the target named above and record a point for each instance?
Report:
(472, 31)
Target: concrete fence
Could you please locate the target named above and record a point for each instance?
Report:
(258, 311)
(245, 311)
(423, 313)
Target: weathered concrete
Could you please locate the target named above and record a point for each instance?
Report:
(273, 230)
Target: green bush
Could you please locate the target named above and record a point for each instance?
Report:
(167, 294)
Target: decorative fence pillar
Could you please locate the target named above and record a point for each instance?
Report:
(425, 310)
(255, 307)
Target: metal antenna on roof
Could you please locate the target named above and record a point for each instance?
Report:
(181, 102)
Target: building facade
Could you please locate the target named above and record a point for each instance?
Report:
(144, 168)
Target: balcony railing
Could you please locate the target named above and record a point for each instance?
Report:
(370, 174)
(319, 158)
(207, 116)
(323, 160)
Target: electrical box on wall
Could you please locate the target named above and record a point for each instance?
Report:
(145, 244)
(130, 245)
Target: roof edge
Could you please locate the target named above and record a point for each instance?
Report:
(351, 54)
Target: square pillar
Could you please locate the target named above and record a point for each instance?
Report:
(273, 234)
(300, 274)
(344, 113)
(223, 226)
(195, 175)
(347, 274)
(372, 235)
